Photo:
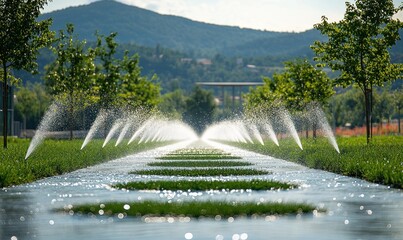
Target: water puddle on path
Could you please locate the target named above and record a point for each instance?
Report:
(356, 209)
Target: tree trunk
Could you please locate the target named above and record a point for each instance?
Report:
(398, 120)
(5, 105)
(71, 117)
(307, 130)
(367, 96)
(314, 130)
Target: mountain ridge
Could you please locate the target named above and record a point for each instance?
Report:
(145, 27)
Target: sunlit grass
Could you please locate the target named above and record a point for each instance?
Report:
(379, 162)
(198, 154)
(194, 209)
(203, 185)
(55, 157)
(194, 164)
(202, 172)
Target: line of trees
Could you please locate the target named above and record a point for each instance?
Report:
(356, 49)
(83, 76)
(80, 75)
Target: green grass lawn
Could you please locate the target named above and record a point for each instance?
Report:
(379, 162)
(203, 185)
(198, 154)
(204, 163)
(55, 157)
(194, 209)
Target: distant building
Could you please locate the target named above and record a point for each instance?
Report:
(10, 120)
(204, 61)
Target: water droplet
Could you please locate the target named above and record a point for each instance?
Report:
(51, 222)
(126, 206)
(369, 212)
(361, 208)
(235, 237)
(14, 238)
(22, 218)
(121, 216)
(230, 219)
(101, 212)
(244, 236)
(346, 221)
(188, 235)
(219, 237)
(389, 225)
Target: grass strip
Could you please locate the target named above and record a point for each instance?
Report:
(198, 154)
(55, 157)
(202, 172)
(203, 151)
(203, 185)
(199, 164)
(194, 209)
(379, 162)
(197, 157)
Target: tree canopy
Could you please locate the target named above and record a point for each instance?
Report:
(20, 38)
(357, 47)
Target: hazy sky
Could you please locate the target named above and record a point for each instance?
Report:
(274, 15)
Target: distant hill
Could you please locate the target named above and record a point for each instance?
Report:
(147, 28)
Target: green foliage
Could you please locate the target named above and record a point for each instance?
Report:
(197, 157)
(348, 107)
(200, 109)
(195, 209)
(134, 89)
(198, 154)
(381, 162)
(357, 47)
(106, 85)
(56, 157)
(202, 172)
(195, 164)
(173, 104)
(300, 84)
(30, 104)
(203, 185)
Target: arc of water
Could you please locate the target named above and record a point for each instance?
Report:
(285, 115)
(123, 132)
(256, 133)
(243, 131)
(140, 130)
(272, 135)
(99, 120)
(324, 125)
(114, 128)
(47, 122)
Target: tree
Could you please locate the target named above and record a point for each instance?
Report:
(135, 90)
(21, 36)
(357, 46)
(173, 104)
(200, 109)
(106, 86)
(296, 88)
(71, 76)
